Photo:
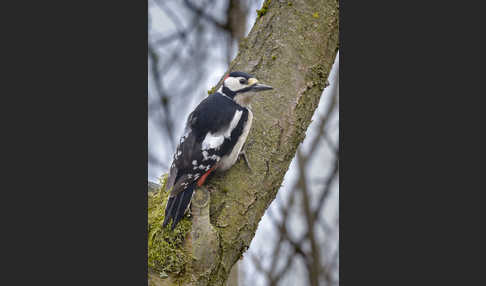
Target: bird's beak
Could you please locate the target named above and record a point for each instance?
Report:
(255, 86)
(260, 87)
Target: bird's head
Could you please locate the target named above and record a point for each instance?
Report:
(241, 87)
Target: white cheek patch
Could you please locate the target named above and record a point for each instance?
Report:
(234, 84)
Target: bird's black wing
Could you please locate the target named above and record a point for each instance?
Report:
(212, 130)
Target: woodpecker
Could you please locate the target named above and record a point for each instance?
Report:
(213, 138)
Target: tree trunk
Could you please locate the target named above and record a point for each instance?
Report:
(291, 47)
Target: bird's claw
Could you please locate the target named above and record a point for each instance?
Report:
(243, 154)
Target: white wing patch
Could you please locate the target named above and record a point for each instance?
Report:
(227, 161)
(214, 141)
(234, 122)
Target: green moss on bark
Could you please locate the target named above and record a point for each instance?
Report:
(165, 247)
(264, 8)
(212, 90)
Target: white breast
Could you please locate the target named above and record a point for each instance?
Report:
(229, 160)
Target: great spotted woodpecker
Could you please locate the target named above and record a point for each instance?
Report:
(213, 137)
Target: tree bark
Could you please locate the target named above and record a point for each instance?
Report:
(291, 47)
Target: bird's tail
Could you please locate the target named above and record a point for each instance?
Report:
(177, 205)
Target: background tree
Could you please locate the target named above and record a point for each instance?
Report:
(292, 47)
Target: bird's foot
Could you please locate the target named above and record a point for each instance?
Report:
(243, 154)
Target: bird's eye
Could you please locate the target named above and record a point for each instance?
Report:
(243, 81)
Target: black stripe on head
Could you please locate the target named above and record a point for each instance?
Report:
(240, 74)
